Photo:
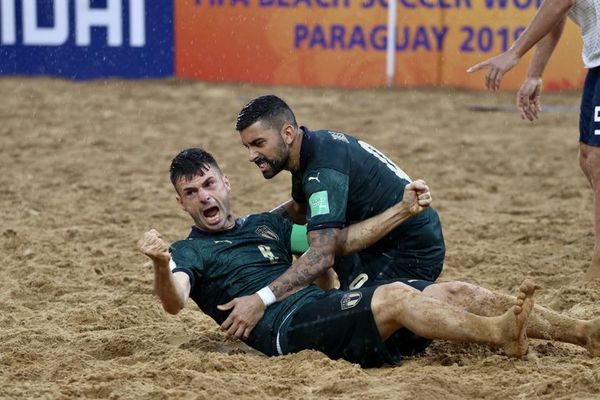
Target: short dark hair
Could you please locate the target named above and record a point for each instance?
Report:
(270, 109)
(191, 162)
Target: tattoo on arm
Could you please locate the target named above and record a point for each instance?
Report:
(319, 256)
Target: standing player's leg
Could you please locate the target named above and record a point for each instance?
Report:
(543, 322)
(589, 160)
(397, 305)
(589, 154)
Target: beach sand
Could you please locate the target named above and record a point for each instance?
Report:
(85, 173)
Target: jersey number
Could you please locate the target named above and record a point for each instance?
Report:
(360, 280)
(267, 253)
(597, 119)
(382, 157)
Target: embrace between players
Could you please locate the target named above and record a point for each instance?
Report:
(352, 212)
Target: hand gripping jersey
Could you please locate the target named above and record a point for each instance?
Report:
(239, 262)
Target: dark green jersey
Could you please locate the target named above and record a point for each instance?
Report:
(239, 262)
(344, 180)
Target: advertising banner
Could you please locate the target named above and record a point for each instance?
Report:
(338, 43)
(343, 42)
(83, 39)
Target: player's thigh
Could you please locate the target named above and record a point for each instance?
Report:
(590, 163)
(340, 325)
(589, 117)
(389, 303)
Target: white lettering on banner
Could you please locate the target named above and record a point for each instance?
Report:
(46, 36)
(137, 23)
(86, 18)
(9, 30)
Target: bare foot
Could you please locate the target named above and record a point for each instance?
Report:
(515, 321)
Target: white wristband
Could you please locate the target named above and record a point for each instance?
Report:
(267, 296)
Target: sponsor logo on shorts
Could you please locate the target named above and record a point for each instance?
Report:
(350, 300)
(266, 232)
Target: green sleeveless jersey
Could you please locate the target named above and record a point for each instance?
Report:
(239, 262)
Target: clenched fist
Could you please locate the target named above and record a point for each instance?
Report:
(417, 196)
(152, 245)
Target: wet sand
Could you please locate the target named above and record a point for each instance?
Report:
(85, 173)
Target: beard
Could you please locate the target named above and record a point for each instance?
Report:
(276, 165)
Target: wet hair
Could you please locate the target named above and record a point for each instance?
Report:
(268, 109)
(191, 162)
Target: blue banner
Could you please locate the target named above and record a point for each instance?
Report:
(84, 39)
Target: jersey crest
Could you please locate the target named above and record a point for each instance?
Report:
(266, 232)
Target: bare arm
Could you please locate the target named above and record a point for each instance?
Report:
(528, 96)
(361, 235)
(325, 243)
(317, 259)
(172, 289)
(292, 211)
(550, 13)
(545, 48)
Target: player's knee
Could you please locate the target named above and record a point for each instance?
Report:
(454, 292)
(593, 164)
(396, 293)
(589, 159)
(389, 303)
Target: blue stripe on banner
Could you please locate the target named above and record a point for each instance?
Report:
(83, 39)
